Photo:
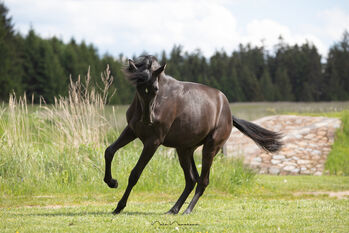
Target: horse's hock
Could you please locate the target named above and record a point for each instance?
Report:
(307, 142)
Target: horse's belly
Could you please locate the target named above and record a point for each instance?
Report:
(191, 135)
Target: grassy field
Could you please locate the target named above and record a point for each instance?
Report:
(52, 167)
(273, 204)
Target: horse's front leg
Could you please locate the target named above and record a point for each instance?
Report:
(147, 153)
(125, 137)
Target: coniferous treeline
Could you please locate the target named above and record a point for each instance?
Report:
(33, 65)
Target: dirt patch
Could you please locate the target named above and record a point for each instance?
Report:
(338, 195)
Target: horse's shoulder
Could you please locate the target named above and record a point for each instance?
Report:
(132, 110)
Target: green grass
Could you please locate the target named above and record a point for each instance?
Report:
(213, 215)
(338, 159)
(52, 168)
(260, 209)
(253, 111)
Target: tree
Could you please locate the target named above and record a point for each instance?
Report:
(236, 92)
(283, 88)
(43, 75)
(250, 85)
(10, 75)
(337, 70)
(267, 86)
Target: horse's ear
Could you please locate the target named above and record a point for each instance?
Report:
(131, 65)
(158, 71)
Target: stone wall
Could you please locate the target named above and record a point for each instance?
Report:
(307, 142)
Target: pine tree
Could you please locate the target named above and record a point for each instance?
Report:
(10, 74)
(237, 95)
(337, 71)
(283, 88)
(267, 86)
(250, 85)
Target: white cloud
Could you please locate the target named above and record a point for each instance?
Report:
(266, 32)
(137, 25)
(132, 27)
(335, 22)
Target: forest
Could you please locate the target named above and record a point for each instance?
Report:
(41, 68)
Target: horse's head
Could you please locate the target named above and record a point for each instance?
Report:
(145, 74)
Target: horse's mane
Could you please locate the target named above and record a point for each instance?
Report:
(145, 65)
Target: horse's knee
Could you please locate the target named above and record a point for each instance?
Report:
(190, 183)
(193, 179)
(202, 184)
(108, 153)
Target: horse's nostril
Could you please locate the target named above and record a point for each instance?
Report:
(156, 88)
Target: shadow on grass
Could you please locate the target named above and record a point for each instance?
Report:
(100, 213)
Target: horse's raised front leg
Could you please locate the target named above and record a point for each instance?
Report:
(147, 153)
(186, 160)
(125, 137)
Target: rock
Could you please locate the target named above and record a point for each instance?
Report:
(290, 164)
(275, 161)
(305, 172)
(257, 159)
(296, 170)
(301, 161)
(274, 170)
(278, 157)
(289, 168)
(307, 142)
(322, 133)
(302, 143)
(310, 136)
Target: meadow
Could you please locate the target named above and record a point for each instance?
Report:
(52, 168)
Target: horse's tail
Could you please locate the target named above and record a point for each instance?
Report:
(268, 140)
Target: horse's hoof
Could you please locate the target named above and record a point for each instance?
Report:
(172, 212)
(117, 211)
(187, 211)
(112, 183)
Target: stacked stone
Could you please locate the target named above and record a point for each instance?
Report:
(307, 142)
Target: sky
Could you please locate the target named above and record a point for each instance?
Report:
(132, 27)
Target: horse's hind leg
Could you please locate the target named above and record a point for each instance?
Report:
(125, 137)
(210, 149)
(186, 161)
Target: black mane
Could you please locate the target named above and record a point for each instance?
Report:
(145, 65)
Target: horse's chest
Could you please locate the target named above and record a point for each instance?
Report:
(143, 131)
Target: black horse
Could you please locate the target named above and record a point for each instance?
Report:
(182, 115)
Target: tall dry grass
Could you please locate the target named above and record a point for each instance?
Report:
(80, 118)
(45, 143)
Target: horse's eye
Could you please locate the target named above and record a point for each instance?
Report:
(146, 91)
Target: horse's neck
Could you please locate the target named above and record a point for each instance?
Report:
(148, 111)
